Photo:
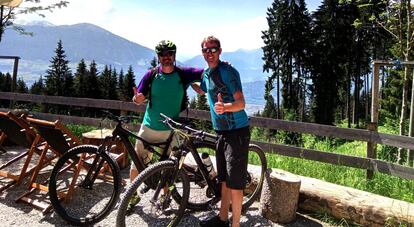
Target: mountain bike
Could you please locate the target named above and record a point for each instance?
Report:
(85, 183)
(172, 174)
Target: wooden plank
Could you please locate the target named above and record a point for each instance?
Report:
(393, 140)
(311, 128)
(9, 57)
(315, 155)
(71, 101)
(102, 123)
(299, 127)
(339, 159)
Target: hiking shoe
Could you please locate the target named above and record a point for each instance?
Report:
(214, 222)
(133, 201)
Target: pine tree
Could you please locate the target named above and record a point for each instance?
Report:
(59, 79)
(114, 85)
(120, 87)
(285, 53)
(329, 57)
(21, 86)
(129, 84)
(68, 85)
(285, 56)
(5, 86)
(92, 81)
(201, 104)
(193, 103)
(38, 87)
(59, 76)
(81, 85)
(5, 82)
(105, 82)
(154, 63)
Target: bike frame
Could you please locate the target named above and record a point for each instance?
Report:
(123, 134)
(203, 170)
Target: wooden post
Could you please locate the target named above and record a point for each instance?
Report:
(371, 149)
(15, 67)
(372, 126)
(375, 93)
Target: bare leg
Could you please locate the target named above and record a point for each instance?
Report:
(236, 206)
(133, 173)
(225, 202)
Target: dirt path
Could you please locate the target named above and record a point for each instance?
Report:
(20, 214)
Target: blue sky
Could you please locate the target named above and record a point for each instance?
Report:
(238, 24)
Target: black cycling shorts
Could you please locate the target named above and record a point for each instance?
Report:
(232, 156)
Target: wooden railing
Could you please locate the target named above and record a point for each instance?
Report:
(369, 136)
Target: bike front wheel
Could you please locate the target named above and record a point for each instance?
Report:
(84, 185)
(156, 206)
(202, 197)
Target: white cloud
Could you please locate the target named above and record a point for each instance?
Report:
(147, 26)
(77, 11)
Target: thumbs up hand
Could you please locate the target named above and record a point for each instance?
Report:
(138, 97)
(219, 105)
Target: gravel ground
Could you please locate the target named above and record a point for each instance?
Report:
(21, 214)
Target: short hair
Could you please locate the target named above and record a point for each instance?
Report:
(211, 39)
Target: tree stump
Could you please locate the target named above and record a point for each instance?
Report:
(280, 195)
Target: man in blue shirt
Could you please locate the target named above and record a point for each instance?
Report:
(222, 84)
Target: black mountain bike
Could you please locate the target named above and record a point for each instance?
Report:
(185, 184)
(85, 183)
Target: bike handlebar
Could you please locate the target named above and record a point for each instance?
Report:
(175, 125)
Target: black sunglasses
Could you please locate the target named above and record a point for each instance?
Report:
(210, 50)
(166, 53)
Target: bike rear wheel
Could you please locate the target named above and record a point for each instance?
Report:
(84, 185)
(156, 207)
(202, 197)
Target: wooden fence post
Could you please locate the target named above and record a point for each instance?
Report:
(371, 149)
(372, 126)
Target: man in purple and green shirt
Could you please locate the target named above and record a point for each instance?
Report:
(166, 93)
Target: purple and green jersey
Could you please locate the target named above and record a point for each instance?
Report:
(166, 94)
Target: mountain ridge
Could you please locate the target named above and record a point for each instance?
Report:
(91, 42)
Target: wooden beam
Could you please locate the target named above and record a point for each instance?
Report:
(15, 68)
(292, 126)
(339, 159)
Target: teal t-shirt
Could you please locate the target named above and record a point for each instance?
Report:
(224, 79)
(167, 94)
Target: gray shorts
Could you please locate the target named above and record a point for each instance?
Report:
(232, 157)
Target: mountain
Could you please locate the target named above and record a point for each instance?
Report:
(84, 40)
(91, 42)
(248, 62)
